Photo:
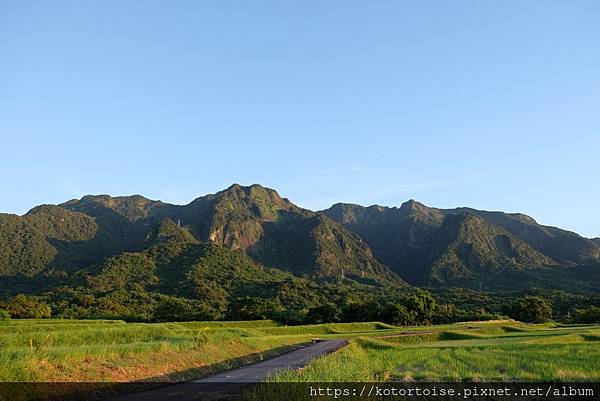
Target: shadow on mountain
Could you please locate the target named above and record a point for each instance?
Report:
(579, 279)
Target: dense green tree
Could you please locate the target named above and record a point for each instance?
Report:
(398, 315)
(254, 308)
(444, 313)
(326, 313)
(422, 303)
(173, 310)
(27, 307)
(292, 317)
(362, 311)
(589, 315)
(531, 309)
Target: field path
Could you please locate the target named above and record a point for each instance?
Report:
(216, 384)
(292, 360)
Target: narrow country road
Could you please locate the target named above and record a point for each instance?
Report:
(219, 384)
(260, 371)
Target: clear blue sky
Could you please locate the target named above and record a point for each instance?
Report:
(489, 104)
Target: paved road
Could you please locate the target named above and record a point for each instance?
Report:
(219, 385)
(292, 360)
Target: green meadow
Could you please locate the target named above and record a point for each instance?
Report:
(108, 350)
(115, 351)
(97, 350)
(464, 352)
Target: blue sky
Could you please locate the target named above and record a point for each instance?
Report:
(494, 105)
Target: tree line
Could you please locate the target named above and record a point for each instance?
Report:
(419, 307)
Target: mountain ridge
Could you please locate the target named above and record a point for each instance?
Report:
(401, 237)
(469, 247)
(254, 220)
(375, 246)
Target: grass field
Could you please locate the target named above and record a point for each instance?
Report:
(64, 350)
(467, 352)
(114, 351)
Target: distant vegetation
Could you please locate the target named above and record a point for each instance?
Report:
(27, 307)
(472, 248)
(531, 309)
(416, 307)
(246, 253)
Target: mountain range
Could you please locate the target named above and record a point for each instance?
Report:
(425, 245)
(247, 240)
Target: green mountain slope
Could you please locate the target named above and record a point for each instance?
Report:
(177, 264)
(59, 240)
(402, 237)
(257, 221)
(279, 234)
(377, 247)
(50, 237)
(563, 246)
(201, 277)
(466, 249)
(133, 208)
(397, 236)
(23, 249)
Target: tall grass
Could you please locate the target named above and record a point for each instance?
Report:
(537, 353)
(105, 350)
(109, 350)
(47, 350)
